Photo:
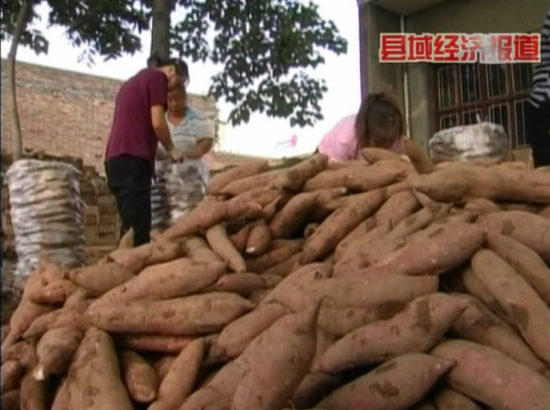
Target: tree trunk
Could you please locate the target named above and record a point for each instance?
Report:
(17, 140)
(160, 36)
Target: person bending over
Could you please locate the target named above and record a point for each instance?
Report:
(379, 123)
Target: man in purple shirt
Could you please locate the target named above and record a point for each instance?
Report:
(139, 124)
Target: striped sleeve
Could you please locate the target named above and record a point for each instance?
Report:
(541, 76)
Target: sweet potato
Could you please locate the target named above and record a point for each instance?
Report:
(178, 278)
(262, 196)
(259, 240)
(461, 184)
(492, 378)
(139, 377)
(449, 399)
(325, 196)
(236, 336)
(66, 316)
(397, 384)
(269, 211)
(284, 268)
(153, 343)
(373, 155)
(281, 250)
(54, 293)
(476, 288)
(23, 352)
(198, 250)
(417, 329)
(181, 378)
(188, 316)
(397, 208)
(482, 206)
(99, 279)
(55, 351)
(425, 405)
(25, 314)
(94, 380)
(242, 185)
(240, 283)
(294, 178)
(303, 275)
(525, 261)
(292, 216)
(529, 229)
(62, 399)
(11, 400)
(208, 214)
(339, 224)
(163, 365)
(220, 180)
(359, 233)
(33, 393)
(517, 298)
(219, 242)
(138, 258)
(258, 295)
(444, 249)
(359, 178)
(11, 373)
(478, 324)
(545, 213)
(314, 388)
(240, 238)
(275, 370)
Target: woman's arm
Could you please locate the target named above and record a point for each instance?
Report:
(204, 145)
(418, 157)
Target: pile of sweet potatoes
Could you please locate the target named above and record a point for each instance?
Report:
(352, 286)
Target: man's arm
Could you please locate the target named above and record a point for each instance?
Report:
(158, 100)
(202, 148)
(158, 119)
(418, 157)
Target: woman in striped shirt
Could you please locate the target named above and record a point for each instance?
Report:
(538, 109)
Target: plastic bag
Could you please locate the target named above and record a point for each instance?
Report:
(46, 213)
(483, 140)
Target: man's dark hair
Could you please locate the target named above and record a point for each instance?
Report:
(154, 61)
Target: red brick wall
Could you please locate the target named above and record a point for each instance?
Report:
(66, 113)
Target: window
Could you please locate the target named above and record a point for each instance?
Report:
(470, 93)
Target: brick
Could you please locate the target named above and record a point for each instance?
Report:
(108, 219)
(107, 229)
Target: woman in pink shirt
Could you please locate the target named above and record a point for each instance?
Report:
(379, 123)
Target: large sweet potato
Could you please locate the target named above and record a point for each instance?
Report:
(397, 208)
(139, 377)
(292, 216)
(529, 229)
(219, 242)
(55, 351)
(181, 378)
(446, 248)
(178, 278)
(154, 343)
(276, 369)
(517, 298)
(280, 251)
(478, 324)
(460, 184)
(220, 180)
(188, 316)
(236, 336)
(11, 374)
(492, 378)
(70, 316)
(395, 385)
(259, 239)
(94, 379)
(136, 259)
(207, 214)
(525, 261)
(417, 329)
(449, 399)
(33, 393)
(99, 279)
(62, 399)
(294, 178)
(339, 224)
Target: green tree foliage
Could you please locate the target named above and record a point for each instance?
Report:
(266, 49)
